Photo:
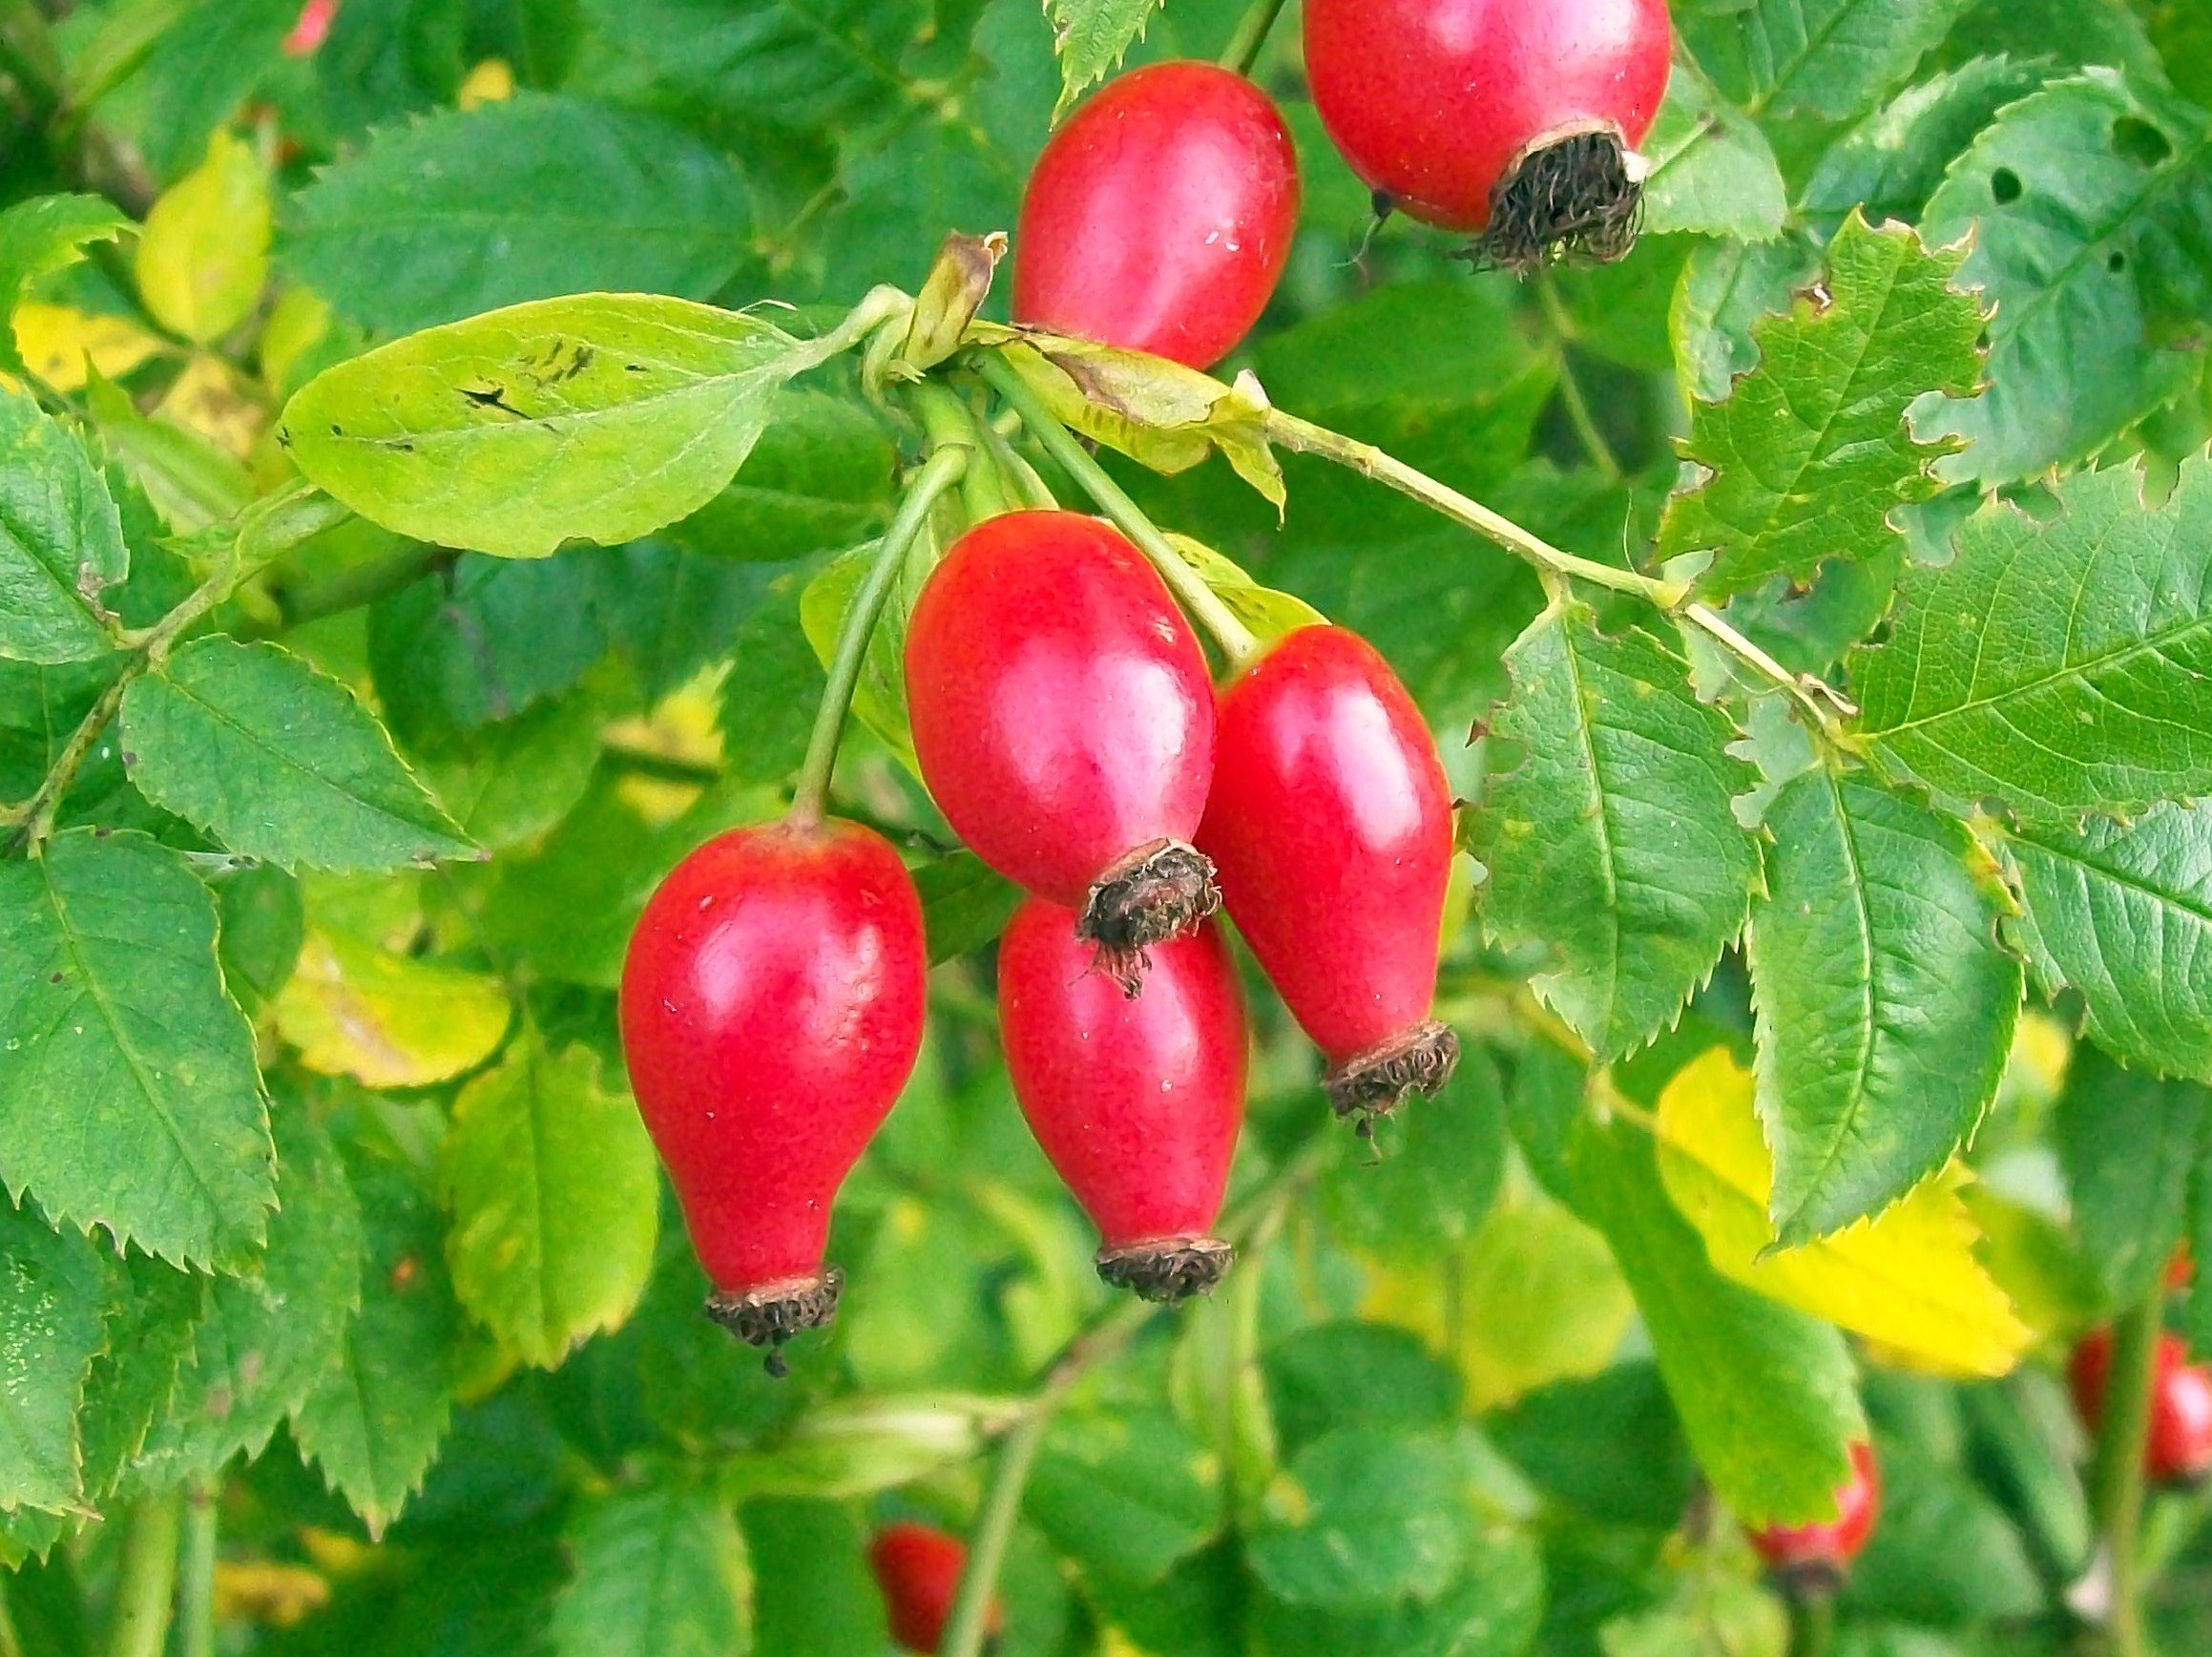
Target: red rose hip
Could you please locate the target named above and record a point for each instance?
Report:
(918, 1567)
(1136, 1101)
(772, 1007)
(1330, 829)
(2179, 1449)
(1159, 217)
(1064, 721)
(1517, 118)
(1813, 1558)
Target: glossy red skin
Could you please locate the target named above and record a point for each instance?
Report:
(1061, 703)
(2179, 1448)
(1135, 1102)
(1330, 829)
(772, 1006)
(1833, 1544)
(918, 1568)
(1159, 217)
(1433, 100)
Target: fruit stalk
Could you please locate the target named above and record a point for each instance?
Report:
(146, 1579)
(2122, 1435)
(811, 793)
(196, 1579)
(1812, 1625)
(1189, 590)
(1243, 48)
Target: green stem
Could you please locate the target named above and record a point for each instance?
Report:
(1585, 424)
(1307, 438)
(1243, 48)
(196, 1587)
(948, 423)
(1812, 1624)
(1205, 607)
(10, 1641)
(321, 594)
(2122, 1438)
(1715, 627)
(939, 472)
(145, 1580)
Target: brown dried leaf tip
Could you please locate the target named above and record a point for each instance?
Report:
(1170, 1270)
(773, 1314)
(1574, 197)
(1375, 1083)
(1157, 893)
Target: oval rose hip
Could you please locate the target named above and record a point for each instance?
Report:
(1330, 830)
(1517, 118)
(772, 1006)
(918, 1567)
(1136, 1101)
(1813, 1558)
(1065, 724)
(1159, 217)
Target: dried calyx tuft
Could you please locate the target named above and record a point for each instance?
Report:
(1374, 1083)
(773, 1314)
(1578, 196)
(1157, 893)
(1168, 1272)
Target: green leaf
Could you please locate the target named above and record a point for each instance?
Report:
(2128, 1142)
(1765, 1395)
(40, 237)
(965, 904)
(154, 1313)
(1725, 287)
(526, 199)
(1365, 1516)
(373, 1421)
(1608, 1445)
(1090, 37)
(2122, 912)
(814, 1592)
(278, 761)
(203, 63)
(1439, 1169)
(819, 480)
(659, 1573)
(52, 1298)
(1126, 1492)
(599, 417)
(1345, 1374)
(204, 256)
(1613, 840)
(512, 782)
(1826, 58)
(1891, 163)
(1711, 167)
(268, 1338)
(61, 541)
(556, 1198)
(1884, 1003)
(1809, 456)
(1944, 1553)
(116, 1023)
(2063, 664)
(1492, 1609)
(880, 699)
(2090, 205)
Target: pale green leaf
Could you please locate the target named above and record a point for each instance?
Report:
(40, 237)
(392, 1020)
(1891, 163)
(1767, 1395)
(1125, 1490)
(880, 699)
(659, 1573)
(278, 761)
(1091, 38)
(2122, 912)
(1613, 841)
(1826, 58)
(267, 1338)
(1725, 287)
(1809, 456)
(1711, 167)
(2062, 664)
(61, 541)
(52, 1294)
(1885, 1002)
(526, 199)
(555, 1199)
(372, 1424)
(129, 1095)
(1267, 613)
(2090, 205)
(599, 417)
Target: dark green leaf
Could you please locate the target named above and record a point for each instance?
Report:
(2128, 1143)
(1341, 1374)
(1711, 167)
(509, 783)
(263, 924)
(1492, 1609)
(2064, 666)
(1809, 456)
(1608, 1444)
(659, 1573)
(814, 1593)
(113, 1019)
(1439, 1168)
(818, 481)
(965, 904)
(154, 1314)
(53, 1293)
(1125, 1493)
(1944, 1554)
(1613, 841)
(523, 199)
(1828, 58)
(1369, 1514)
(201, 65)
(1886, 1004)
(60, 538)
(1891, 163)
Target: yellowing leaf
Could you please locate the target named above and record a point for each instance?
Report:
(1907, 1279)
(353, 1009)
(57, 339)
(1539, 1300)
(683, 730)
(295, 325)
(210, 400)
(204, 256)
(491, 81)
